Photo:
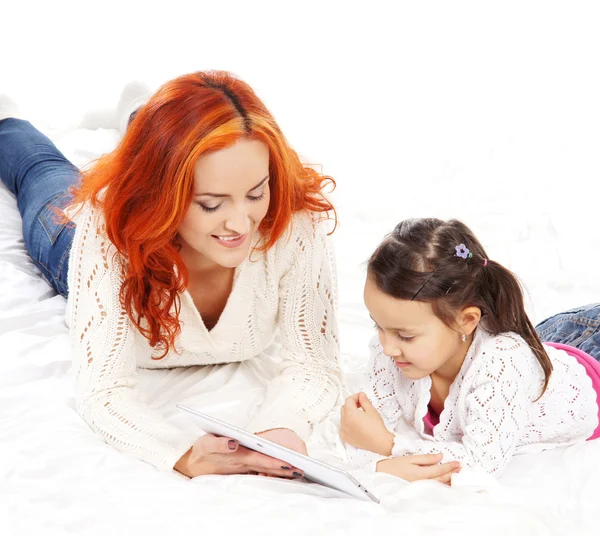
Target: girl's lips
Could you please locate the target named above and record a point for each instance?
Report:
(402, 364)
(237, 242)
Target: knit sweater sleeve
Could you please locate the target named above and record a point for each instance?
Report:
(309, 381)
(491, 406)
(381, 379)
(104, 349)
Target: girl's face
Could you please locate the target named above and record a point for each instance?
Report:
(418, 341)
(231, 199)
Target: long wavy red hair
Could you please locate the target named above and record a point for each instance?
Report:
(145, 186)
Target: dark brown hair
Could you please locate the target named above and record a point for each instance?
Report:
(419, 261)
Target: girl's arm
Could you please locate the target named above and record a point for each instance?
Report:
(381, 382)
(491, 410)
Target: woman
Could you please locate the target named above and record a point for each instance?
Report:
(196, 241)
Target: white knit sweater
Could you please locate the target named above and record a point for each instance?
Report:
(289, 290)
(491, 410)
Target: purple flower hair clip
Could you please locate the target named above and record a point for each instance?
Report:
(463, 251)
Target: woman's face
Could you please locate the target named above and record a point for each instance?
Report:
(231, 198)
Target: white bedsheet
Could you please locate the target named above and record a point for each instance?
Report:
(57, 477)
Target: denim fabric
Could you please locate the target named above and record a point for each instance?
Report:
(578, 327)
(40, 177)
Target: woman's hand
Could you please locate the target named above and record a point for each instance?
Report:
(362, 426)
(212, 455)
(286, 438)
(419, 467)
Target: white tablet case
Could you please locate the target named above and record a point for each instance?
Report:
(315, 470)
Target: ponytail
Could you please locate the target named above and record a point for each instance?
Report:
(503, 305)
(444, 264)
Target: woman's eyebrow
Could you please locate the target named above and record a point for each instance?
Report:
(227, 195)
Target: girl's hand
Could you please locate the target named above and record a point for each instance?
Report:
(362, 426)
(419, 467)
(212, 455)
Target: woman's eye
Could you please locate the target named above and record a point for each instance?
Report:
(208, 209)
(256, 197)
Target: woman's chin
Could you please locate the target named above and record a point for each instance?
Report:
(231, 259)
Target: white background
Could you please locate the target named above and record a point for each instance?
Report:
(485, 111)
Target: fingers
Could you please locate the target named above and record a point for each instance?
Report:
(445, 479)
(266, 475)
(364, 402)
(352, 402)
(426, 459)
(302, 449)
(435, 471)
(286, 437)
(211, 444)
(261, 463)
(280, 473)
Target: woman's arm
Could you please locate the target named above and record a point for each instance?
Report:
(309, 383)
(104, 355)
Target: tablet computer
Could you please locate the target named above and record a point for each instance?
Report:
(314, 470)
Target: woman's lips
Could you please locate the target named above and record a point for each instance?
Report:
(231, 242)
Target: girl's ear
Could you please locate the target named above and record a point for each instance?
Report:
(468, 319)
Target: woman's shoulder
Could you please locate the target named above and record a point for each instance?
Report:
(86, 215)
(310, 224)
(91, 244)
(307, 231)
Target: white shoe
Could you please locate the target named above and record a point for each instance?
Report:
(134, 95)
(8, 107)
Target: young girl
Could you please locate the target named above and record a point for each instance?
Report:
(458, 369)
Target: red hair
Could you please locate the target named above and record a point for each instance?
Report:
(145, 186)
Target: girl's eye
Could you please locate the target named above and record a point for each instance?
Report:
(208, 209)
(404, 339)
(376, 327)
(256, 197)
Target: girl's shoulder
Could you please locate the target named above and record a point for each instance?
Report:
(502, 344)
(501, 357)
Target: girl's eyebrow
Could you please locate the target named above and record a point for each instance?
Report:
(227, 195)
(394, 329)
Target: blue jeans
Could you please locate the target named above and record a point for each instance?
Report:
(579, 327)
(40, 177)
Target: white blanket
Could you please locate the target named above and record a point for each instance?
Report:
(57, 477)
